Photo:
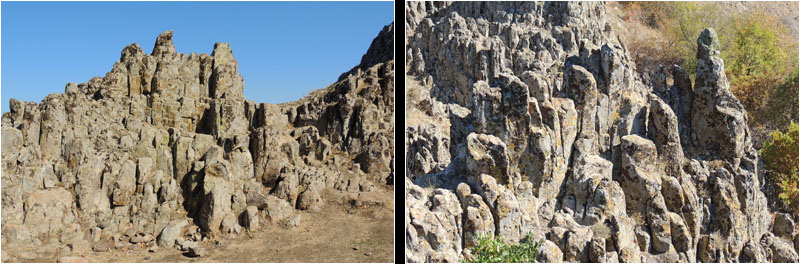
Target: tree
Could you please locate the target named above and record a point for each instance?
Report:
(758, 61)
(783, 106)
(780, 160)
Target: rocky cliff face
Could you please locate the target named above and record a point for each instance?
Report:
(165, 150)
(529, 117)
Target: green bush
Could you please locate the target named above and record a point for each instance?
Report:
(783, 105)
(780, 160)
(492, 249)
(758, 63)
(755, 50)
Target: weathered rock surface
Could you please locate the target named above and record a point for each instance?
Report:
(165, 150)
(529, 117)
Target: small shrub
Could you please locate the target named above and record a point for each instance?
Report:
(638, 219)
(718, 240)
(601, 230)
(429, 186)
(682, 25)
(493, 250)
(780, 158)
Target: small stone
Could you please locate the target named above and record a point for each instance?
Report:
(186, 244)
(95, 234)
(142, 238)
(293, 221)
(102, 246)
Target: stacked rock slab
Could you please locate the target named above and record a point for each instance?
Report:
(165, 148)
(551, 132)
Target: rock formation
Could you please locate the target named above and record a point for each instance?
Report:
(529, 117)
(165, 151)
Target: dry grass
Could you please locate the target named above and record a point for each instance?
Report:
(637, 218)
(718, 240)
(429, 186)
(416, 92)
(647, 46)
(601, 230)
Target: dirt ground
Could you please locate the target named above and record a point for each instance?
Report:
(337, 233)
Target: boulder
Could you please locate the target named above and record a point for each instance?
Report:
(478, 220)
(277, 210)
(171, 232)
(783, 226)
(48, 212)
(549, 253)
(288, 187)
(250, 218)
(487, 154)
(718, 119)
(230, 225)
(196, 252)
(217, 193)
(311, 198)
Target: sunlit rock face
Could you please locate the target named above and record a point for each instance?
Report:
(550, 131)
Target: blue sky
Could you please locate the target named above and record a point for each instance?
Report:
(284, 49)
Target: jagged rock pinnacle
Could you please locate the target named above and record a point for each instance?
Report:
(707, 43)
(222, 53)
(164, 44)
(131, 50)
(380, 51)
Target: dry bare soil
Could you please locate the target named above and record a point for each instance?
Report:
(339, 232)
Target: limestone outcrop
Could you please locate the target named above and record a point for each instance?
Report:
(165, 150)
(529, 117)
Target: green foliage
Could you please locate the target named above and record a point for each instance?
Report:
(687, 20)
(755, 50)
(758, 64)
(780, 158)
(493, 250)
(783, 105)
(681, 23)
